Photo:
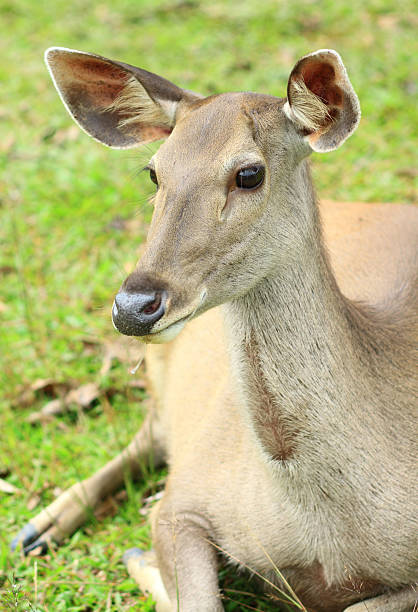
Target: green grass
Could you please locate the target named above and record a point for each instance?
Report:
(65, 248)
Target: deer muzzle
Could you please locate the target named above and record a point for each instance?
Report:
(135, 314)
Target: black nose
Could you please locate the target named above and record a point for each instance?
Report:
(134, 314)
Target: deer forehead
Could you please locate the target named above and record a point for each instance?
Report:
(220, 133)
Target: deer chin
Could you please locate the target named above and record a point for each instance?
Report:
(165, 335)
(172, 331)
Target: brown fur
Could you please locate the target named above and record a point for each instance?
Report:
(278, 436)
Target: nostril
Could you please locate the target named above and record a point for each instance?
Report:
(135, 314)
(150, 309)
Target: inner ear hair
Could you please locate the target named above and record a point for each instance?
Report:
(135, 105)
(307, 108)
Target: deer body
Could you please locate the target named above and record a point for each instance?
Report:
(287, 419)
(310, 512)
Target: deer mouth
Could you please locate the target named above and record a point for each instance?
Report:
(165, 335)
(168, 333)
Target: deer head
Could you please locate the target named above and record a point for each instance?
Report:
(230, 176)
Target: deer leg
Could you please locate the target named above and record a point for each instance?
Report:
(187, 562)
(399, 601)
(73, 506)
(143, 568)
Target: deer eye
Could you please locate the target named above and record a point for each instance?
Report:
(153, 176)
(250, 178)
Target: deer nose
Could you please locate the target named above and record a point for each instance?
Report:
(134, 314)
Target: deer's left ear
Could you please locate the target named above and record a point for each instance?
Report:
(321, 101)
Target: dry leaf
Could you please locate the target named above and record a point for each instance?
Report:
(53, 407)
(25, 398)
(33, 501)
(148, 501)
(154, 498)
(6, 487)
(38, 417)
(121, 496)
(90, 347)
(36, 552)
(108, 507)
(41, 383)
(138, 383)
(48, 386)
(83, 396)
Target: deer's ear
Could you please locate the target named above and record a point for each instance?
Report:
(115, 103)
(321, 101)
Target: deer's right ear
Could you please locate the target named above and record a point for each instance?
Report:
(117, 104)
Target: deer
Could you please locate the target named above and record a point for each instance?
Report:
(286, 407)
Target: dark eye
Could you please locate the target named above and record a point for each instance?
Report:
(250, 178)
(153, 176)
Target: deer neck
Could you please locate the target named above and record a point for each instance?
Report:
(292, 350)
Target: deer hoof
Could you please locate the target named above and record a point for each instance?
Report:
(51, 526)
(142, 567)
(26, 536)
(136, 555)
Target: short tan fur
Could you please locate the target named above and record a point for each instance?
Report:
(286, 408)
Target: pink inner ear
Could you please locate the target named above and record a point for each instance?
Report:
(102, 80)
(319, 77)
